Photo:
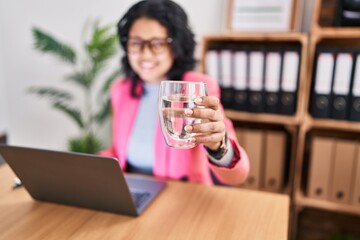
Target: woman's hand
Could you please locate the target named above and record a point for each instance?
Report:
(213, 130)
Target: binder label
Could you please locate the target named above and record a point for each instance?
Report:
(324, 71)
(225, 70)
(290, 72)
(212, 65)
(342, 74)
(272, 79)
(240, 68)
(256, 71)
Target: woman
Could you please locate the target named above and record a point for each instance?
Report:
(159, 45)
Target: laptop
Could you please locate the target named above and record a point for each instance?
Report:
(82, 180)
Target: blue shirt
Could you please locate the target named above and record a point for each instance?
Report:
(140, 151)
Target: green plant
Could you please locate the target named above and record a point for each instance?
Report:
(88, 72)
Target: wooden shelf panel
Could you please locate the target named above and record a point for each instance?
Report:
(336, 32)
(262, 118)
(330, 124)
(303, 201)
(283, 37)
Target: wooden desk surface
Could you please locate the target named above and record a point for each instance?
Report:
(181, 211)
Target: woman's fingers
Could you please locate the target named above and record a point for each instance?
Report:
(209, 127)
(210, 138)
(204, 113)
(208, 101)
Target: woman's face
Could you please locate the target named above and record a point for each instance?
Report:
(148, 50)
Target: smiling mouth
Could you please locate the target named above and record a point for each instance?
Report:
(147, 66)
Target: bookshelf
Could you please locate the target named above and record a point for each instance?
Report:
(268, 121)
(301, 126)
(323, 34)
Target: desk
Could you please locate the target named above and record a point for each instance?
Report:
(181, 211)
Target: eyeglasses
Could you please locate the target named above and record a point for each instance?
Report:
(156, 45)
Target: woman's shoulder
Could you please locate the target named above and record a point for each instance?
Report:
(120, 85)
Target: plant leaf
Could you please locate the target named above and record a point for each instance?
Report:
(88, 143)
(51, 93)
(73, 113)
(48, 44)
(83, 79)
(103, 44)
(104, 112)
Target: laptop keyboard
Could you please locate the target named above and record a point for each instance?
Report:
(139, 197)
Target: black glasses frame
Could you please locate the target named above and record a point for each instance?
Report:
(148, 43)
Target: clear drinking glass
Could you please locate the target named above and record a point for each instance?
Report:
(174, 98)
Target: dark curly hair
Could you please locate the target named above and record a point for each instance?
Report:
(174, 19)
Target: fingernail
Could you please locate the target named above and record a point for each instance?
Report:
(198, 100)
(193, 140)
(188, 112)
(188, 128)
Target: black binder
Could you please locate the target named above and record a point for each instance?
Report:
(226, 76)
(354, 113)
(256, 80)
(273, 66)
(322, 83)
(289, 81)
(341, 85)
(240, 83)
(347, 13)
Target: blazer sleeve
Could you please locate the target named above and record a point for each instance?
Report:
(114, 93)
(239, 168)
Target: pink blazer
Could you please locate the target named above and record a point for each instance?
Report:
(169, 162)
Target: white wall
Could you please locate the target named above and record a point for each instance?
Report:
(3, 98)
(28, 120)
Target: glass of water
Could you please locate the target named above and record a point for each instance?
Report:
(174, 98)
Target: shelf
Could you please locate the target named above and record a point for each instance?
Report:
(303, 201)
(329, 30)
(233, 36)
(336, 32)
(262, 118)
(331, 124)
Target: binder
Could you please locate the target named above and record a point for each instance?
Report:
(341, 86)
(226, 77)
(320, 165)
(256, 81)
(272, 81)
(240, 84)
(253, 143)
(212, 64)
(321, 97)
(354, 114)
(342, 171)
(355, 192)
(289, 82)
(275, 147)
